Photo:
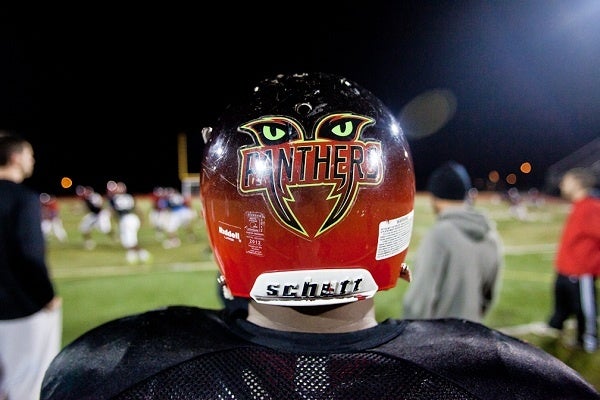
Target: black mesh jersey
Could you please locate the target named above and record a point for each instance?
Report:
(184, 352)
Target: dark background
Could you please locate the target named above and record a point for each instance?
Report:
(103, 91)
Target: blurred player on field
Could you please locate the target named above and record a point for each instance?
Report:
(97, 216)
(179, 216)
(158, 211)
(52, 223)
(124, 206)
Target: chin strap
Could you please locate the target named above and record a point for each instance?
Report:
(405, 272)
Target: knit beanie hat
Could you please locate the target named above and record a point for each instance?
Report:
(449, 181)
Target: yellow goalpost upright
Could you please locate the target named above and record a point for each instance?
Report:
(190, 182)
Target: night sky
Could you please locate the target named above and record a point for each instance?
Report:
(103, 93)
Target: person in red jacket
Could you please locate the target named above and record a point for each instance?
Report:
(577, 261)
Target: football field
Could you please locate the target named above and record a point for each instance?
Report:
(98, 285)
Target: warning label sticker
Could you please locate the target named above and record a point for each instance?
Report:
(255, 232)
(394, 236)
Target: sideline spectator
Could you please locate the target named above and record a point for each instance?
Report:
(30, 309)
(577, 262)
(458, 263)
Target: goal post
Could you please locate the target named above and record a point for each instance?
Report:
(190, 182)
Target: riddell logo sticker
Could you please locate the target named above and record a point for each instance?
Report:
(229, 234)
(285, 158)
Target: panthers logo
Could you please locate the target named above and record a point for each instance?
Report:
(285, 158)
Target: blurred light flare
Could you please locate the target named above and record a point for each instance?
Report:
(44, 197)
(66, 182)
(511, 179)
(428, 112)
(494, 176)
(525, 167)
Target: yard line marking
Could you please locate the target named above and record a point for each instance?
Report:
(121, 270)
(541, 248)
(529, 276)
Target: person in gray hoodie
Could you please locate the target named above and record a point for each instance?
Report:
(458, 263)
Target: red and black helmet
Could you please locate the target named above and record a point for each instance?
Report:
(307, 192)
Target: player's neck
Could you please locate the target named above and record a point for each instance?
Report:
(11, 174)
(316, 319)
(579, 194)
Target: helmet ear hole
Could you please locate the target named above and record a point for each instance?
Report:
(307, 190)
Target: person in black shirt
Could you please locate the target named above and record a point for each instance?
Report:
(307, 192)
(30, 309)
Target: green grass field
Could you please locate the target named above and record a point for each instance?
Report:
(97, 285)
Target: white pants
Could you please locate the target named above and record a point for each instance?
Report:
(54, 227)
(179, 218)
(129, 225)
(100, 221)
(27, 346)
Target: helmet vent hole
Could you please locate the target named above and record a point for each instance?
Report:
(303, 108)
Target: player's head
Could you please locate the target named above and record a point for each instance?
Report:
(17, 154)
(113, 187)
(449, 181)
(577, 182)
(121, 188)
(84, 191)
(307, 191)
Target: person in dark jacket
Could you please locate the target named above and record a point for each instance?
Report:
(307, 194)
(30, 310)
(456, 271)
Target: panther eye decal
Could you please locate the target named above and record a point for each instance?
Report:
(344, 130)
(344, 127)
(272, 133)
(284, 159)
(274, 130)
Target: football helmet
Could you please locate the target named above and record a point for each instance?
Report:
(307, 192)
